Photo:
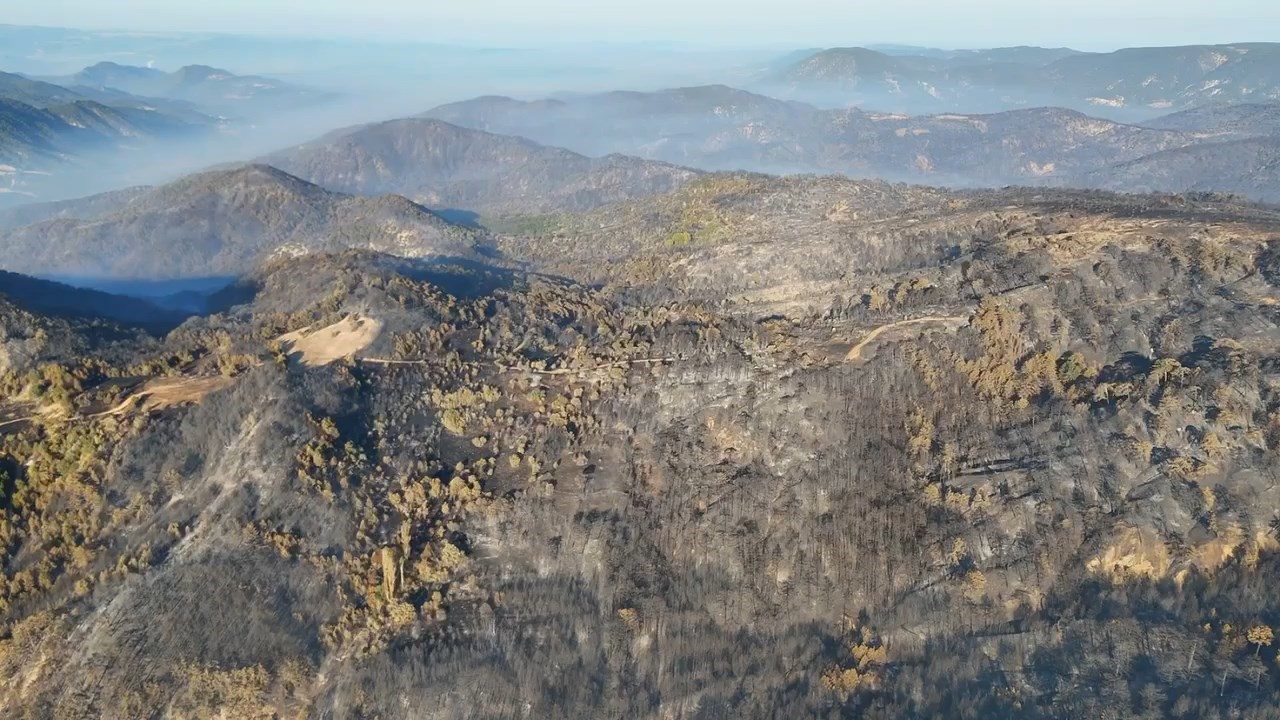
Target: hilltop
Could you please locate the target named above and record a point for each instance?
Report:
(448, 167)
(223, 223)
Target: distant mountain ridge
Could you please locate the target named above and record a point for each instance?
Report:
(52, 136)
(623, 121)
(1236, 120)
(35, 92)
(1132, 83)
(720, 128)
(32, 137)
(717, 128)
(211, 88)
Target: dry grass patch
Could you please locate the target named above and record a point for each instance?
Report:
(343, 339)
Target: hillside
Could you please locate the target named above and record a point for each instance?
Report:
(39, 93)
(790, 245)
(901, 383)
(55, 299)
(845, 449)
(448, 167)
(1177, 77)
(1250, 168)
(1237, 120)
(44, 322)
(223, 223)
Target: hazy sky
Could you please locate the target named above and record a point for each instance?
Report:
(951, 23)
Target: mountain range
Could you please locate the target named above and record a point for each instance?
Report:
(212, 89)
(225, 221)
(347, 189)
(1129, 84)
(561, 408)
(1248, 167)
(124, 120)
(720, 128)
(1226, 121)
(50, 150)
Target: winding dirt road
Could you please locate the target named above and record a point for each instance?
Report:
(956, 321)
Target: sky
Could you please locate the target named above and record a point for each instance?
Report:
(1085, 24)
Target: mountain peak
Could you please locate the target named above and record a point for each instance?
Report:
(107, 73)
(223, 222)
(192, 74)
(251, 175)
(444, 165)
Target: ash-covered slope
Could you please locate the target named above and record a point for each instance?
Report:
(223, 223)
(449, 167)
(899, 453)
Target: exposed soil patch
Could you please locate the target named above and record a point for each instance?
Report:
(953, 322)
(170, 391)
(342, 339)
